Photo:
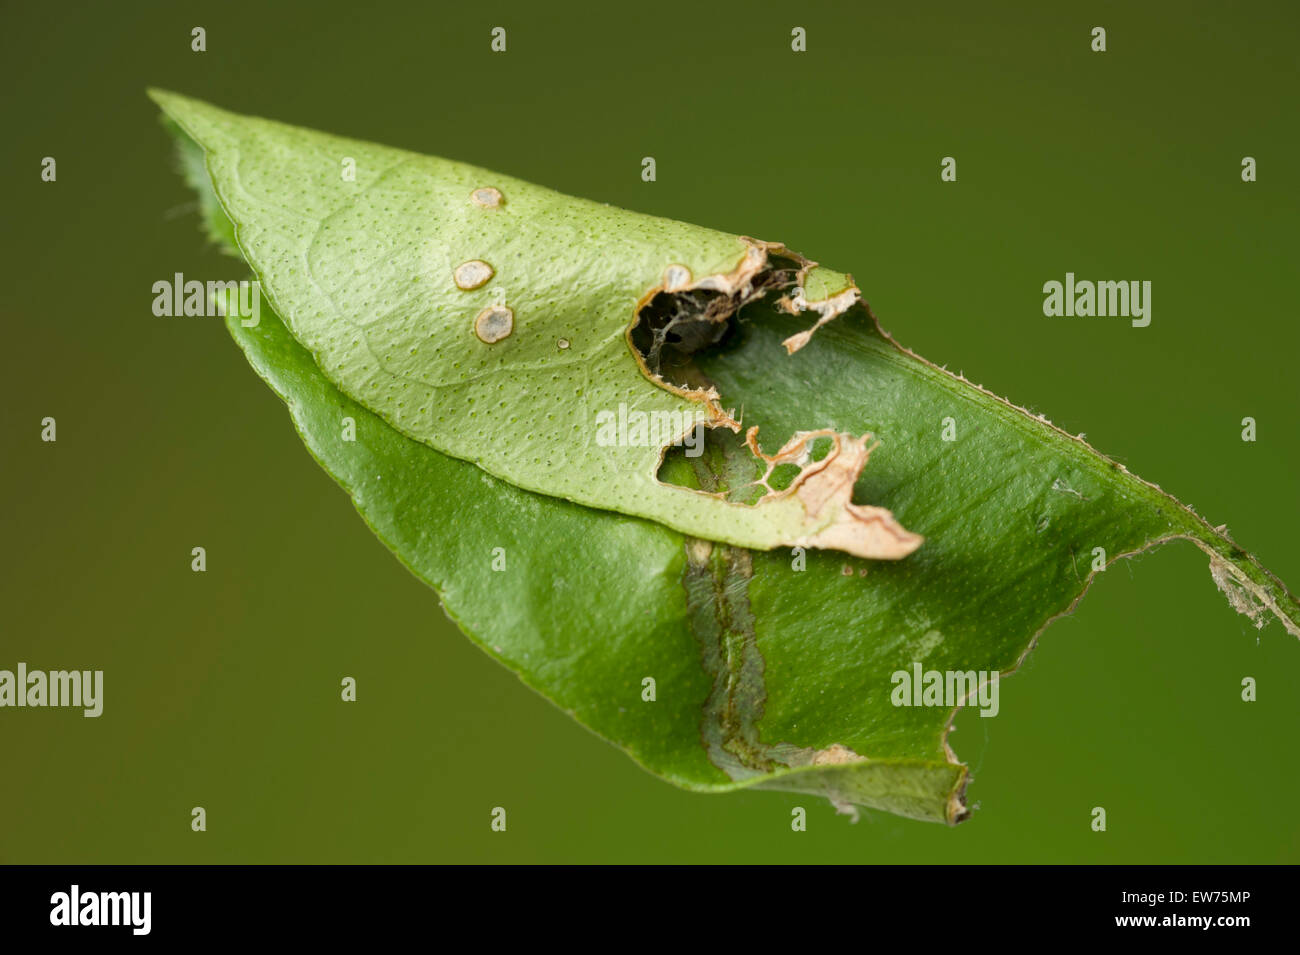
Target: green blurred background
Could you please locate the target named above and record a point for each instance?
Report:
(222, 689)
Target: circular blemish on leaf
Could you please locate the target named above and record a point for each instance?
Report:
(494, 323)
(489, 197)
(471, 274)
(676, 278)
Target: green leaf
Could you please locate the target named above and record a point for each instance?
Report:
(771, 668)
(458, 318)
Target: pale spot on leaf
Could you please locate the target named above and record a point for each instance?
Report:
(472, 274)
(494, 323)
(489, 197)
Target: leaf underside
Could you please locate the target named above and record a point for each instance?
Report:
(771, 669)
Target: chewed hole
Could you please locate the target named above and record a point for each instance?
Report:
(680, 321)
(783, 476)
(673, 325)
(716, 461)
(682, 330)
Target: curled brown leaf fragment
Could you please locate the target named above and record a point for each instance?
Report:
(826, 309)
(825, 488)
